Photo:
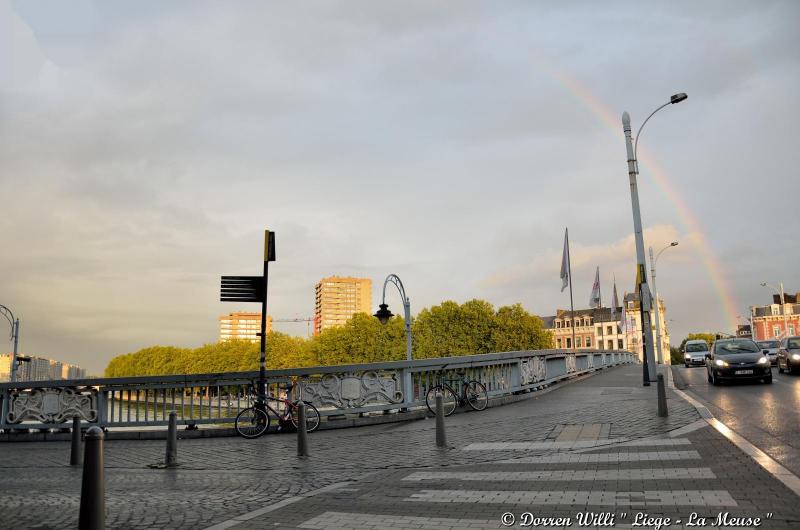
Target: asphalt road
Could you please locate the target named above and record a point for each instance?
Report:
(767, 415)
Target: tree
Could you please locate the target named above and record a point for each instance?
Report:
(448, 329)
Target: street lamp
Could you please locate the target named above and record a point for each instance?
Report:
(653, 263)
(6, 312)
(648, 366)
(783, 306)
(383, 315)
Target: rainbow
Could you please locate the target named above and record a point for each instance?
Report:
(687, 218)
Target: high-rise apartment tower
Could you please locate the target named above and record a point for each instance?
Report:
(338, 299)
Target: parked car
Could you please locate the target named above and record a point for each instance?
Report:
(789, 354)
(770, 347)
(694, 352)
(737, 359)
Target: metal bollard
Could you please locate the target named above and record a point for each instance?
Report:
(662, 397)
(441, 439)
(171, 459)
(75, 451)
(93, 495)
(302, 434)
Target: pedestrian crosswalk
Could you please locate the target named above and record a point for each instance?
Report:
(605, 475)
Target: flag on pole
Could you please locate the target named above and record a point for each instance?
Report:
(614, 301)
(565, 279)
(594, 301)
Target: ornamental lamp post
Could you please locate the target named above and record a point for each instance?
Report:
(653, 263)
(384, 314)
(6, 312)
(631, 146)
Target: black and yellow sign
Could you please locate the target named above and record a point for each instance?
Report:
(269, 245)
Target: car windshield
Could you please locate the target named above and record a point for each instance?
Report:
(737, 346)
(696, 347)
(793, 344)
(768, 344)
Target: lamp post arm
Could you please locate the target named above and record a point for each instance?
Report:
(6, 312)
(639, 132)
(395, 280)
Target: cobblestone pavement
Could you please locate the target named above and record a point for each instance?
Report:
(219, 479)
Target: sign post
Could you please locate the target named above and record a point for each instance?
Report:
(254, 289)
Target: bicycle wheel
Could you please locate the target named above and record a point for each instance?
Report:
(449, 397)
(477, 398)
(312, 417)
(252, 422)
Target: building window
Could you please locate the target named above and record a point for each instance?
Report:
(558, 343)
(791, 329)
(578, 342)
(776, 331)
(609, 330)
(569, 343)
(619, 342)
(588, 342)
(611, 345)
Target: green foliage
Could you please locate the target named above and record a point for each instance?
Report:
(675, 355)
(708, 337)
(448, 329)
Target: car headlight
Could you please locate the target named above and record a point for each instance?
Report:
(720, 362)
(796, 356)
(763, 360)
(687, 356)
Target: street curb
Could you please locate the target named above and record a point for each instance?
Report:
(770, 465)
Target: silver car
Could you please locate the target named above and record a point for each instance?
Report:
(694, 353)
(789, 355)
(770, 348)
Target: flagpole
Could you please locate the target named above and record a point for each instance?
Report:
(571, 304)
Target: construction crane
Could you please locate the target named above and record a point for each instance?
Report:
(307, 320)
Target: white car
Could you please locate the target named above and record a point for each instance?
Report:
(694, 353)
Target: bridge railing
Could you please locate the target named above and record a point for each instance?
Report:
(217, 398)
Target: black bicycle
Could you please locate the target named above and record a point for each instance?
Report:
(473, 393)
(254, 421)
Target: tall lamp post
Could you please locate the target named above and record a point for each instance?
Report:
(783, 306)
(631, 146)
(6, 312)
(383, 314)
(653, 263)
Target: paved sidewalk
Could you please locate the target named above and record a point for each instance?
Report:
(588, 431)
(595, 446)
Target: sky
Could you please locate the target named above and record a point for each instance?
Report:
(145, 147)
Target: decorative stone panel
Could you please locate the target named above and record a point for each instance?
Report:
(53, 405)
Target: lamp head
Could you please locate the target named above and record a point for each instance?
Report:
(674, 244)
(763, 284)
(677, 98)
(383, 314)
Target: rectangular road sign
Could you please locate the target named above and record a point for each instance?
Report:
(242, 289)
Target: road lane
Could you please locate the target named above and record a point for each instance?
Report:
(766, 415)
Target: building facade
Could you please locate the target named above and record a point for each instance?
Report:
(39, 369)
(600, 329)
(242, 325)
(338, 299)
(767, 321)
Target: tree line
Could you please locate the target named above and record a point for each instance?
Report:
(448, 329)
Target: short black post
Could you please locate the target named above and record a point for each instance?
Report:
(662, 397)
(171, 459)
(302, 433)
(75, 452)
(93, 495)
(441, 439)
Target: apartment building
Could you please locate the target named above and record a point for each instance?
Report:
(338, 299)
(39, 369)
(776, 320)
(242, 325)
(600, 329)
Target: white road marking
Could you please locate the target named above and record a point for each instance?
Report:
(605, 457)
(568, 474)
(646, 498)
